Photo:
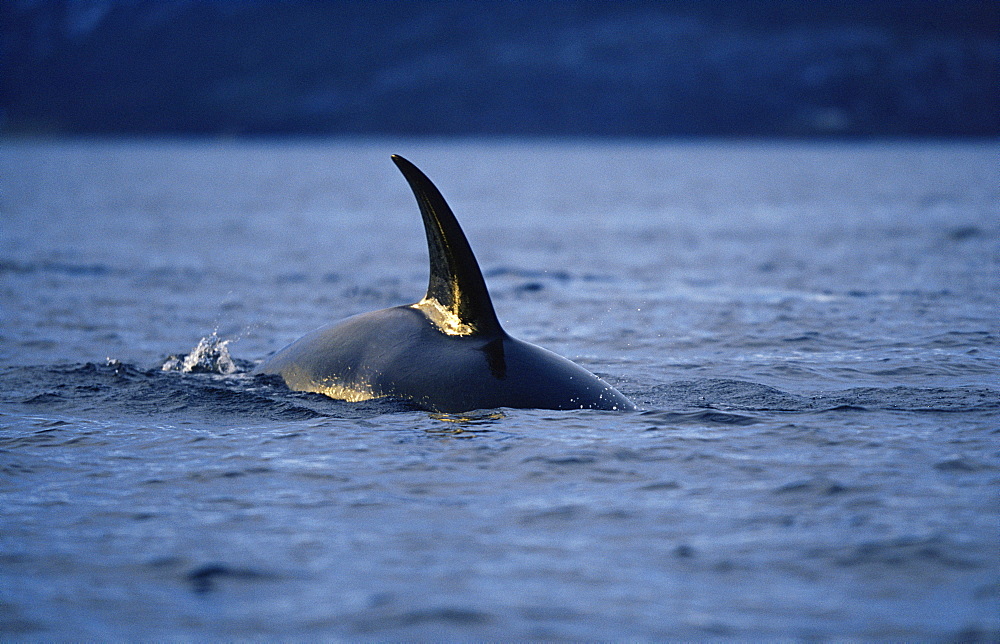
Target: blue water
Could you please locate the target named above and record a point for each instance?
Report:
(810, 330)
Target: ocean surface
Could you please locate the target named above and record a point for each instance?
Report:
(811, 332)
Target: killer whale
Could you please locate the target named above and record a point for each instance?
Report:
(447, 352)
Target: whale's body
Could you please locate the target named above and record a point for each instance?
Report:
(446, 353)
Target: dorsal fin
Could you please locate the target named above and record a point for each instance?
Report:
(457, 300)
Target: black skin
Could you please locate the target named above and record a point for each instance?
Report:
(399, 352)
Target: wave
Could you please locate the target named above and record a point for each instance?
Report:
(228, 390)
(210, 381)
(741, 395)
(126, 390)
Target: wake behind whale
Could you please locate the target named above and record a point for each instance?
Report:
(445, 353)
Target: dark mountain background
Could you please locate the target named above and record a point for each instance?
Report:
(539, 68)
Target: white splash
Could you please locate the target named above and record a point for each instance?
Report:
(210, 356)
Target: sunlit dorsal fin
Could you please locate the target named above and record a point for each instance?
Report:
(457, 300)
